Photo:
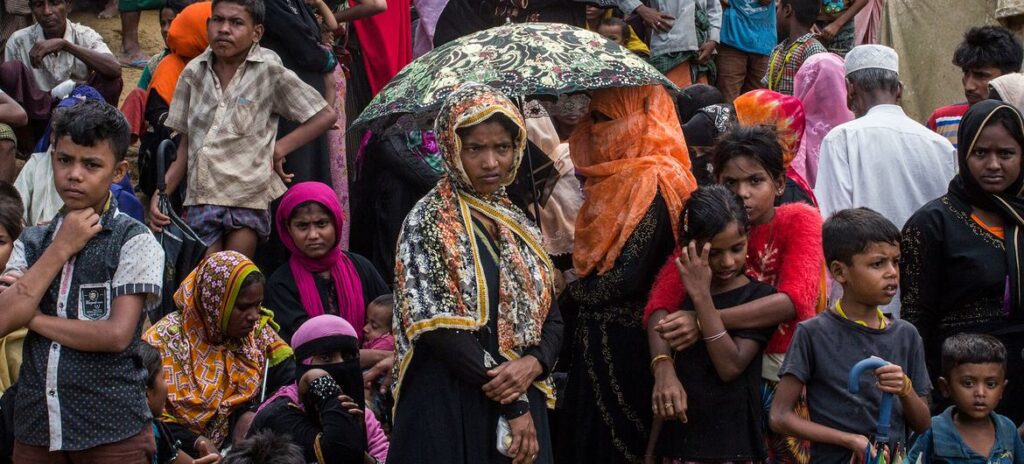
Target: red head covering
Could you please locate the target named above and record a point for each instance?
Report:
(783, 112)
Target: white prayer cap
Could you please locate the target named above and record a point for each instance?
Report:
(872, 57)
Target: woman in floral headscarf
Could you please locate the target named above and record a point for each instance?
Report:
(632, 152)
(220, 351)
(477, 329)
(785, 114)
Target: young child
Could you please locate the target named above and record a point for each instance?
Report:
(11, 222)
(378, 344)
(226, 106)
(862, 251)
(88, 276)
(614, 29)
(794, 19)
(711, 390)
(377, 331)
(974, 377)
(167, 449)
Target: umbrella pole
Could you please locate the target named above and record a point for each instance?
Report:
(529, 165)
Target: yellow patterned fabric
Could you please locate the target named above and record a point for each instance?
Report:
(210, 375)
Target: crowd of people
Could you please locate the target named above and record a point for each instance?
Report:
(708, 265)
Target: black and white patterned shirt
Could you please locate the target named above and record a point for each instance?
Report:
(73, 400)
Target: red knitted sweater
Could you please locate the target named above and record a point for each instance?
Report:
(785, 253)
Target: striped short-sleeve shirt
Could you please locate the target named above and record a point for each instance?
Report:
(72, 400)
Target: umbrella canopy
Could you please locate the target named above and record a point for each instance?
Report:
(520, 60)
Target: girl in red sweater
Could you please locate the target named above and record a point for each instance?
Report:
(784, 251)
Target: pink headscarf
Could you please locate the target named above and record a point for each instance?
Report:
(346, 281)
(821, 85)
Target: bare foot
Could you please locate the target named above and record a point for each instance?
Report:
(135, 60)
(109, 11)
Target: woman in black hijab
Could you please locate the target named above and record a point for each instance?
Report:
(962, 253)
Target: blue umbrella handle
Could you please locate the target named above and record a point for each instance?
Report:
(885, 410)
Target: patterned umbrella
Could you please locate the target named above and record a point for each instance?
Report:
(520, 60)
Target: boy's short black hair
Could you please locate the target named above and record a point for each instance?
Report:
(265, 447)
(387, 300)
(760, 143)
(90, 123)
(695, 97)
(255, 8)
(150, 357)
(989, 46)
(852, 231)
(971, 349)
(805, 11)
(12, 210)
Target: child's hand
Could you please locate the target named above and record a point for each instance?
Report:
(309, 377)
(78, 228)
(207, 453)
(679, 329)
(279, 169)
(859, 444)
(891, 379)
(693, 268)
(7, 280)
(157, 219)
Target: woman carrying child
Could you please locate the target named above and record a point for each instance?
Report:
(714, 387)
(319, 278)
(784, 250)
(962, 252)
(323, 410)
(220, 351)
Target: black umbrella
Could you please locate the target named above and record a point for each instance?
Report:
(183, 249)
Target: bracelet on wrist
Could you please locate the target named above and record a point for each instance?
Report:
(908, 387)
(716, 336)
(659, 358)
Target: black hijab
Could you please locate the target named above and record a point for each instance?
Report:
(1009, 204)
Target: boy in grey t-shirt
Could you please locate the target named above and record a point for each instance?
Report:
(862, 252)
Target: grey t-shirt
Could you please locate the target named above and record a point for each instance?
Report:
(823, 351)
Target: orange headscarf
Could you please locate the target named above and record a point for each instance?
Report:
(627, 161)
(187, 39)
(785, 113)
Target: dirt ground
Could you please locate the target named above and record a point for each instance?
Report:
(149, 37)
(151, 42)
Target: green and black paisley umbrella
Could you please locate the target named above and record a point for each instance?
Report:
(520, 60)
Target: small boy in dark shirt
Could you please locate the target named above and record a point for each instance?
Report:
(794, 21)
(862, 251)
(974, 377)
(87, 277)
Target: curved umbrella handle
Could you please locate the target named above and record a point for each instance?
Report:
(885, 409)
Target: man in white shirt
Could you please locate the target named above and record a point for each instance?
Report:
(882, 160)
(51, 52)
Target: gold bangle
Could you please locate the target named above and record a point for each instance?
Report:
(908, 387)
(659, 358)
